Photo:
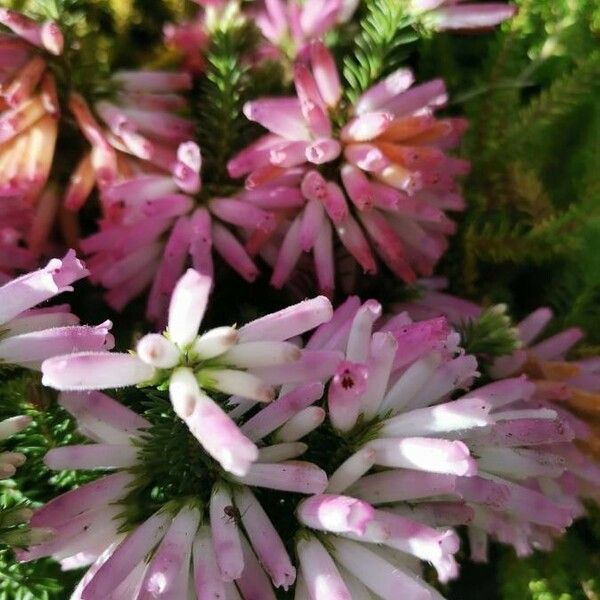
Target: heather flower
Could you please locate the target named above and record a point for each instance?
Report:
(487, 450)
(290, 25)
(394, 179)
(558, 387)
(219, 543)
(139, 131)
(28, 130)
(451, 15)
(30, 334)
(247, 362)
(151, 228)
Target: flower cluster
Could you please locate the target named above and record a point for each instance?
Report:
(28, 131)
(247, 362)
(413, 459)
(386, 151)
(329, 452)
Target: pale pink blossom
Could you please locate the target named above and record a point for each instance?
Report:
(460, 15)
(193, 549)
(248, 363)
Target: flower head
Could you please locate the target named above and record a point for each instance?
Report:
(561, 391)
(393, 179)
(247, 362)
(216, 540)
(487, 450)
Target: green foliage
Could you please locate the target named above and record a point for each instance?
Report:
(381, 45)
(229, 82)
(41, 580)
(491, 335)
(22, 394)
(570, 572)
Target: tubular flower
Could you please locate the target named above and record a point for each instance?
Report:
(393, 185)
(28, 130)
(139, 132)
(488, 450)
(290, 25)
(197, 545)
(247, 363)
(152, 227)
(30, 334)
(567, 389)
(146, 233)
(460, 15)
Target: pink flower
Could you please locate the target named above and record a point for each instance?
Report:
(290, 25)
(247, 362)
(131, 252)
(139, 130)
(395, 180)
(29, 334)
(194, 546)
(488, 449)
(28, 130)
(454, 15)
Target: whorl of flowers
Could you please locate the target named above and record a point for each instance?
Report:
(28, 130)
(567, 388)
(28, 335)
(394, 462)
(375, 172)
(246, 362)
(196, 544)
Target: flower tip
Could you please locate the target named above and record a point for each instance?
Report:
(52, 38)
(155, 350)
(7, 470)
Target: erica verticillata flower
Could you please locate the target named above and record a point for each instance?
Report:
(29, 334)
(135, 130)
(247, 362)
(565, 389)
(290, 25)
(462, 15)
(375, 172)
(29, 114)
(146, 233)
(218, 541)
(488, 449)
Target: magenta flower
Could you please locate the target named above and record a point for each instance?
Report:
(456, 15)
(247, 363)
(30, 334)
(488, 450)
(196, 548)
(290, 25)
(28, 130)
(394, 179)
(140, 132)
